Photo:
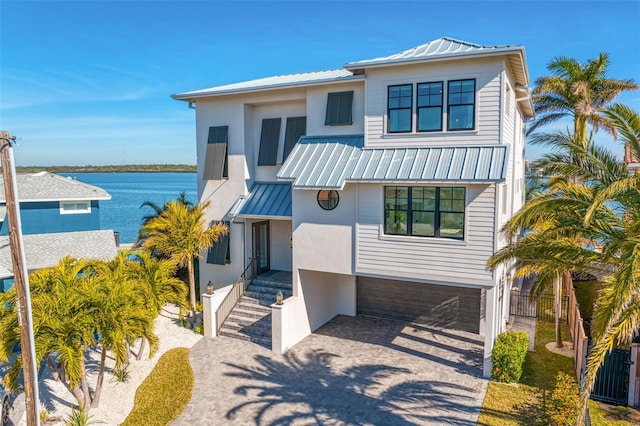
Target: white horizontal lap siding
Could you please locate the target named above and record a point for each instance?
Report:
(426, 259)
(487, 74)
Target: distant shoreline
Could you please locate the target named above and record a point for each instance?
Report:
(128, 168)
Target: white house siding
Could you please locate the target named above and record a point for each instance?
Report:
(487, 73)
(437, 261)
(317, 108)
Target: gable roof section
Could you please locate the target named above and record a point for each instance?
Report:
(270, 83)
(328, 164)
(45, 186)
(45, 250)
(270, 200)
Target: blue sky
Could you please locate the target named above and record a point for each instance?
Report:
(89, 82)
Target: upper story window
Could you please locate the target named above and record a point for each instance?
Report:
(429, 106)
(399, 111)
(75, 207)
(339, 109)
(216, 164)
(424, 211)
(461, 101)
(296, 127)
(269, 140)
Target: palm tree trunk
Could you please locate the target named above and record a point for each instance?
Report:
(192, 287)
(557, 290)
(141, 350)
(85, 385)
(96, 395)
(53, 369)
(79, 396)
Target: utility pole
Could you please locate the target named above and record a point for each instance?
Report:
(21, 281)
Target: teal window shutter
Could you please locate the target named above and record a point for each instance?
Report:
(339, 109)
(269, 139)
(216, 162)
(296, 127)
(219, 252)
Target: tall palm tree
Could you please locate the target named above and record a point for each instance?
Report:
(180, 233)
(577, 91)
(157, 210)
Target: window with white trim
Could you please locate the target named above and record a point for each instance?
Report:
(424, 211)
(75, 207)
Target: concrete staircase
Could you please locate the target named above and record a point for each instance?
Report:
(250, 320)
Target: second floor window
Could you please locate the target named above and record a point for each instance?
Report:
(400, 99)
(461, 102)
(429, 106)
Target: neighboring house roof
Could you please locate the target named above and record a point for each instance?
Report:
(45, 186)
(330, 162)
(265, 200)
(45, 250)
(270, 83)
(3, 212)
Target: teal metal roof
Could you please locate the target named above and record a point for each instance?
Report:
(330, 162)
(269, 200)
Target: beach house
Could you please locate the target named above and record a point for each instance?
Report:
(379, 188)
(59, 217)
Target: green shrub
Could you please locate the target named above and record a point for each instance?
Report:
(121, 374)
(508, 356)
(80, 417)
(562, 409)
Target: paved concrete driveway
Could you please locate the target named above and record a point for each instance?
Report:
(352, 371)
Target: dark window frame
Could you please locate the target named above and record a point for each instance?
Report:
(439, 107)
(337, 105)
(438, 212)
(450, 104)
(269, 141)
(389, 108)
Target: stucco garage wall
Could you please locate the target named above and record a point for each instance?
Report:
(327, 295)
(429, 304)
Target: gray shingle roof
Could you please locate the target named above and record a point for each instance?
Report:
(45, 250)
(275, 82)
(330, 162)
(45, 186)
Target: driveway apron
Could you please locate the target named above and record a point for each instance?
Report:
(352, 371)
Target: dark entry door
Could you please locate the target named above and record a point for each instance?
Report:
(261, 246)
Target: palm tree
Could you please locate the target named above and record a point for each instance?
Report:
(155, 281)
(577, 91)
(63, 323)
(157, 210)
(180, 233)
(121, 313)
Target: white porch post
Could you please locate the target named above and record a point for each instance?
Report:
(489, 328)
(633, 379)
(210, 304)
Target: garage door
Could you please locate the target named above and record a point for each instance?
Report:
(429, 304)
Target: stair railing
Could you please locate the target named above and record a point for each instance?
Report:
(233, 297)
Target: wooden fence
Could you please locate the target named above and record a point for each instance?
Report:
(578, 336)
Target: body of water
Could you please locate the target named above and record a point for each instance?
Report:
(128, 190)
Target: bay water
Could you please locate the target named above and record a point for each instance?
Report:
(128, 191)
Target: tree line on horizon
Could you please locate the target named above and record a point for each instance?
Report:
(124, 168)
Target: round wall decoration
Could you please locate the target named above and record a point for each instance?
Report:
(328, 199)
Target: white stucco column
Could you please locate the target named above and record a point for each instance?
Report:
(210, 304)
(490, 327)
(278, 319)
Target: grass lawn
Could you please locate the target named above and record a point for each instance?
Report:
(165, 392)
(521, 403)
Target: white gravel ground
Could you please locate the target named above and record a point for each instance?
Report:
(116, 400)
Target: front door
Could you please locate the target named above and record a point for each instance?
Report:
(261, 246)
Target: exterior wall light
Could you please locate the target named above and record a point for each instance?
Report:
(209, 288)
(279, 298)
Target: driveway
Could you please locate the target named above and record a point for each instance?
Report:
(352, 371)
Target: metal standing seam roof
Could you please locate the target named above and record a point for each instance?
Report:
(266, 200)
(278, 81)
(45, 186)
(45, 250)
(318, 164)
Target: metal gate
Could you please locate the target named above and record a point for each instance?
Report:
(541, 307)
(612, 380)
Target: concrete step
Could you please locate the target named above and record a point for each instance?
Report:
(242, 320)
(267, 283)
(265, 297)
(253, 305)
(259, 328)
(242, 311)
(247, 338)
